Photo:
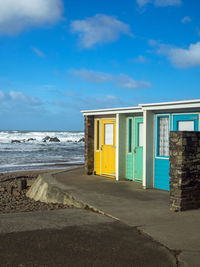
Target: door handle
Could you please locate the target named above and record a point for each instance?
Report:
(135, 150)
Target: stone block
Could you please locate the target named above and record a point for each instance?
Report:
(184, 170)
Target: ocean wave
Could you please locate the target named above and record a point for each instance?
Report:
(38, 154)
(8, 136)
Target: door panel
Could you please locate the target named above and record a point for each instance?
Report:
(129, 156)
(138, 150)
(108, 149)
(161, 167)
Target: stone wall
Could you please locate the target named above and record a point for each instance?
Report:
(89, 144)
(184, 170)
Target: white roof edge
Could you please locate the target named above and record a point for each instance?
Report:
(171, 103)
(195, 103)
(112, 110)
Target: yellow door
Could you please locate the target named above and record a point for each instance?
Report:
(108, 147)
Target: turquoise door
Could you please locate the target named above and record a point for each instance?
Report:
(138, 150)
(163, 124)
(134, 157)
(161, 161)
(129, 156)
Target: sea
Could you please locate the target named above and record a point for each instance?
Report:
(30, 152)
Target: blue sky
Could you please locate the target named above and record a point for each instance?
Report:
(58, 57)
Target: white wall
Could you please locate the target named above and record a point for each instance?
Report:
(148, 149)
(120, 146)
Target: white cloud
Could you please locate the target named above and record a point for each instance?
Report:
(180, 57)
(99, 29)
(93, 76)
(159, 3)
(38, 52)
(139, 59)
(13, 98)
(126, 82)
(121, 80)
(152, 42)
(16, 15)
(186, 19)
(185, 58)
(77, 102)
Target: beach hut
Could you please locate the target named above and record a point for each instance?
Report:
(117, 142)
(159, 120)
(133, 143)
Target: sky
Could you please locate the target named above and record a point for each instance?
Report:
(58, 57)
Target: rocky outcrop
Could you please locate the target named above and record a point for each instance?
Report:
(46, 138)
(81, 140)
(54, 139)
(50, 139)
(15, 141)
(31, 139)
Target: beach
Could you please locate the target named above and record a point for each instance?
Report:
(13, 189)
(26, 154)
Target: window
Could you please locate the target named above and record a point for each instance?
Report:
(140, 134)
(108, 129)
(97, 135)
(130, 131)
(186, 125)
(163, 136)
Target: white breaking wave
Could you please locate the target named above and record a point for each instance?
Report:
(36, 154)
(8, 136)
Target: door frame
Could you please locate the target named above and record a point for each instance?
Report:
(134, 154)
(133, 144)
(155, 146)
(100, 143)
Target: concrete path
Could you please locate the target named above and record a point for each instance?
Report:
(76, 237)
(148, 210)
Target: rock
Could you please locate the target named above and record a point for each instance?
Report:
(46, 138)
(15, 193)
(2, 189)
(10, 189)
(30, 182)
(15, 141)
(22, 184)
(31, 139)
(81, 140)
(50, 139)
(54, 139)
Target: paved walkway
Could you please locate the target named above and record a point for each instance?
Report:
(76, 237)
(148, 210)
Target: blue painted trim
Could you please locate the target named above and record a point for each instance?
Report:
(185, 117)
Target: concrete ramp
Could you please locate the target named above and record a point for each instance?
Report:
(45, 189)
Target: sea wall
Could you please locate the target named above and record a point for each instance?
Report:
(184, 170)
